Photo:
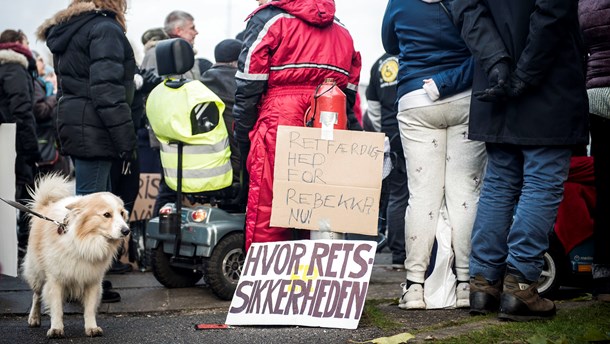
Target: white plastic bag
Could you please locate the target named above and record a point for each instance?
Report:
(439, 287)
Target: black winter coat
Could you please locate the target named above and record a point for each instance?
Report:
(220, 79)
(595, 28)
(95, 66)
(16, 101)
(542, 39)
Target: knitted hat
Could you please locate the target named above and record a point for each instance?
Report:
(227, 50)
(156, 34)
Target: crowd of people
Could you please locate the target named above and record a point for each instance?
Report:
(484, 105)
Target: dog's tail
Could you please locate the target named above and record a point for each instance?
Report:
(48, 189)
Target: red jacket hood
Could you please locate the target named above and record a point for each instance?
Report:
(315, 12)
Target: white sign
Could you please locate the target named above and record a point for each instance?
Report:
(8, 230)
(320, 283)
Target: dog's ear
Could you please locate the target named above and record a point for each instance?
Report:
(125, 214)
(75, 206)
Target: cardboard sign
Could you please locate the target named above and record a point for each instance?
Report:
(8, 230)
(149, 188)
(332, 185)
(320, 283)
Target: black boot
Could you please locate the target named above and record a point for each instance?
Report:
(520, 301)
(109, 296)
(484, 296)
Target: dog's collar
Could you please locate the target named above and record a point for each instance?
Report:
(61, 226)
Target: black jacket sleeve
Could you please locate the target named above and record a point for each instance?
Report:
(18, 89)
(478, 30)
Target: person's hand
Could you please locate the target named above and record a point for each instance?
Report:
(512, 89)
(516, 86)
(498, 74)
(492, 94)
(498, 79)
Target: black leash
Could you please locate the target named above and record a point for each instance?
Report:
(61, 226)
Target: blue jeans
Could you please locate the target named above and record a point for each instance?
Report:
(92, 175)
(522, 189)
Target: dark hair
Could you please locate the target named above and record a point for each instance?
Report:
(11, 36)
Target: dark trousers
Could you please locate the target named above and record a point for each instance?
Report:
(125, 184)
(600, 150)
(396, 208)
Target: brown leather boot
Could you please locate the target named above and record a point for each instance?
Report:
(520, 301)
(484, 297)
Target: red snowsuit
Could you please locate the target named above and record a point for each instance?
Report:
(290, 47)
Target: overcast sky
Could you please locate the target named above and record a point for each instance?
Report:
(214, 19)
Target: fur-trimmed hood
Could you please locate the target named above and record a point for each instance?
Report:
(59, 30)
(62, 17)
(10, 56)
(15, 53)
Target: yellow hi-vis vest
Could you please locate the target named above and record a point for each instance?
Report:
(206, 164)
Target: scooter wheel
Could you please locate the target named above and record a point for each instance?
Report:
(171, 276)
(225, 265)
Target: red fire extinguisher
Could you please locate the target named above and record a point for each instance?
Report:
(328, 106)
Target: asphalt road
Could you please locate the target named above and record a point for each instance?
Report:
(175, 328)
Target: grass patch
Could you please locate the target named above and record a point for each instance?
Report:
(454, 323)
(589, 324)
(373, 316)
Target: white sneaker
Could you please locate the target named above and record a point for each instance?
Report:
(412, 298)
(462, 293)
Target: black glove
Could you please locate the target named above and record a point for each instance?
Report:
(499, 74)
(516, 86)
(498, 79)
(492, 94)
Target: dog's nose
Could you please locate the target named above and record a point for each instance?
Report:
(125, 231)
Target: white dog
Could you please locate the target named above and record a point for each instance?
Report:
(70, 261)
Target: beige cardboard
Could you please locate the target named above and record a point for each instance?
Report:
(149, 188)
(327, 184)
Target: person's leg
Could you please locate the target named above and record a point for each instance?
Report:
(92, 175)
(545, 171)
(425, 152)
(424, 142)
(465, 167)
(126, 185)
(600, 150)
(23, 220)
(397, 209)
(499, 195)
